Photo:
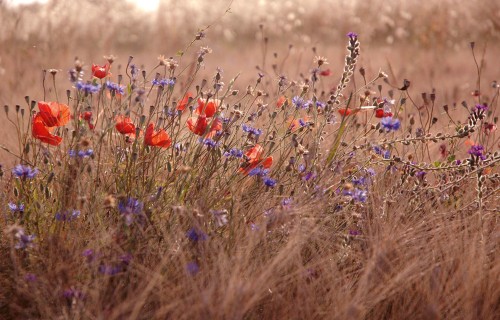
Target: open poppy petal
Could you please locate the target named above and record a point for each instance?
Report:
(281, 102)
(207, 109)
(156, 139)
(124, 125)
(100, 72)
(54, 114)
(42, 133)
(197, 125)
(181, 105)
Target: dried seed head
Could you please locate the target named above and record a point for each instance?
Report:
(109, 202)
(110, 58)
(85, 142)
(319, 60)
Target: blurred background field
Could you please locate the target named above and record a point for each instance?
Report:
(426, 42)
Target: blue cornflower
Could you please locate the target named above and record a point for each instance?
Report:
(24, 172)
(390, 124)
(352, 35)
(269, 182)
(298, 102)
(30, 277)
(16, 208)
(249, 129)
(81, 153)
(356, 194)
(88, 87)
(237, 153)
(354, 232)
(286, 202)
(362, 181)
(308, 176)
(209, 142)
(24, 240)
(320, 104)
(258, 171)
(109, 270)
(196, 235)
(129, 208)
(67, 215)
(115, 87)
(89, 254)
(192, 268)
(134, 71)
(477, 150)
(163, 82)
(72, 293)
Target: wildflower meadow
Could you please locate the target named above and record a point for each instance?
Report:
(323, 189)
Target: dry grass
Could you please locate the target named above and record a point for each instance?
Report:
(209, 242)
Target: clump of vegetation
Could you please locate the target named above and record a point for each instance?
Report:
(161, 194)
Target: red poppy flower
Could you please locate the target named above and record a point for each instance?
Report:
(41, 132)
(198, 125)
(344, 112)
(100, 72)
(87, 117)
(254, 159)
(54, 114)
(380, 113)
(209, 109)
(281, 102)
(325, 73)
(124, 125)
(181, 105)
(156, 139)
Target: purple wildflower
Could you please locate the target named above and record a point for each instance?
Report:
(477, 150)
(209, 142)
(192, 268)
(482, 107)
(87, 88)
(356, 194)
(390, 124)
(298, 102)
(237, 153)
(269, 182)
(24, 240)
(196, 235)
(67, 215)
(16, 208)
(163, 82)
(352, 35)
(24, 172)
(130, 208)
(30, 277)
(249, 129)
(115, 87)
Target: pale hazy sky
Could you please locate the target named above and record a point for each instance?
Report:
(148, 5)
